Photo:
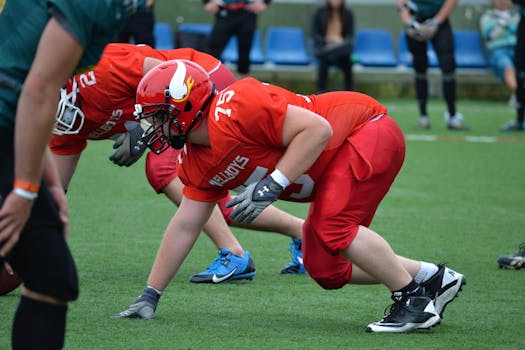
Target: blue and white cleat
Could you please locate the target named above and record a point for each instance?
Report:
(227, 267)
(296, 264)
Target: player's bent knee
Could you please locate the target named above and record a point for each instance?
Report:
(326, 282)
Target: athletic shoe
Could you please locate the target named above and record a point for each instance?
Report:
(513, 126)
(296, 264)
(407, 314)
(423, 123)
(144, 307)
(514, 261)
(456, 122)
(227, 267)
(443, 287)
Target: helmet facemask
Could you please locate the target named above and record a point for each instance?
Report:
(69, 117)
(164, 129)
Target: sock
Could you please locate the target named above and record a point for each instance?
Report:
(449, 92)
(426, 271)
(39, 325)
(421, 85)
(413, 288)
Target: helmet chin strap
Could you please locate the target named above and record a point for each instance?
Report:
(177, 141)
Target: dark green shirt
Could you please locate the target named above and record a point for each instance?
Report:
(92, 23)
(426, 8)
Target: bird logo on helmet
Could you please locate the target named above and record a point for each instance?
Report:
(176, 93)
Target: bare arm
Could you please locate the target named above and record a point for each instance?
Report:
(304, 134)
(179, 237)
(57, 56)
(404, 12)
(54, 184)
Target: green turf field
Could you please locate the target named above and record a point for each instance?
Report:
(458, 199)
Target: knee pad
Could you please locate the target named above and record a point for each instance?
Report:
(327, 278)
(51, 270)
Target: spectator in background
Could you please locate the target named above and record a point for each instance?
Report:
(333, 35)
(139, 27)
(519, 62)
(427, 20)
(234, 17)
(42, 43)
(498, 27)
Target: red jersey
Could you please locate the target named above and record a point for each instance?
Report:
(245, 127)
(107, 92)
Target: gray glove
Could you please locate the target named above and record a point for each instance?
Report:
(412, 28)
(428, 29)
(254, 199)
(129, 147)
(144, 307)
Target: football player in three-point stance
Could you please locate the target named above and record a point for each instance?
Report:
(98, 104)
(42, 42)
(340, 151)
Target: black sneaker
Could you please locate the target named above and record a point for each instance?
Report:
(405, 315)
(443, 287)
(514, 261)
(512, 125)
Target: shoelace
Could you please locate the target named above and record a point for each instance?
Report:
(220, 260)
(392, 309)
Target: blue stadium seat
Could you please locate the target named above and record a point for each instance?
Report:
(374, 48)
(194, 35)
(286, 46)
(197, 28)
(230, 53)
(163, 34)
(469, 49)
(405, 57)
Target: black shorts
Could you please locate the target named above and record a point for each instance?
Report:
(41, 257)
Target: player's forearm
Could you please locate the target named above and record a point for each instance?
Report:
(50, 171)
(179, 237)
(404, 12)
(34, 123)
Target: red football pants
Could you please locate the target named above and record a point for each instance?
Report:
(352, 187)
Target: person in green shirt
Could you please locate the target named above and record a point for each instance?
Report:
(41, 44)
(424, 21)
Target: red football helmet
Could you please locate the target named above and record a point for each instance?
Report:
(176, 92)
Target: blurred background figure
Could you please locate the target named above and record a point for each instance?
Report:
(139, 27)
(234, 17)
(424, 21)
(498, 26)
(519, 62)
(333, 35)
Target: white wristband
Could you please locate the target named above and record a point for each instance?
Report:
(25, 194)
(280, 178)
